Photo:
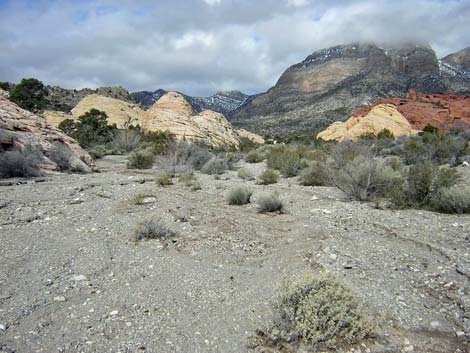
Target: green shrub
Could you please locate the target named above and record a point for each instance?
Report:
(141, 159)
(23, 164)
(452, 200)
(367, 136)
(254, 157)
(269, 176)
(62, 156)
(29, 94)
(165, 179)
(270, 203)
(245, 173)
(385, 134)
(239, 196)
(247, 145)
(152, 229)
(287, 161)
(158, 141)
(318, 313)
(315, 175)
(140, 199)
(90, 129)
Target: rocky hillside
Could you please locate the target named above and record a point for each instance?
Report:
(221, 102)
(331, 84)
(172, 112)
(20, 129)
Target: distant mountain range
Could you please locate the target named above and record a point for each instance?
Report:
(332, 83)
(221, 102)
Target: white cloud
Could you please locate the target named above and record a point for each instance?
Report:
(198, 49)
(297, 3)
(212, 2)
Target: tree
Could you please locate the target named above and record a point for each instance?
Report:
(29, 94)
(90, 129)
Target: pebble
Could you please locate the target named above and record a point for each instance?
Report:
(3, 327)
(460, 334)
(78, 278)
(409, 348)
(114, 313)
(435, 324)
(59, 298)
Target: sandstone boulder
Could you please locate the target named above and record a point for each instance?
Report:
(242, 133)
(173, 113)
(380, 117)
(20, 128)
(121, 113)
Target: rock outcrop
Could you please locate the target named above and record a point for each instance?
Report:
(20, 128)
(331, 84)
(443, 111)
(380, 117)
(173, 113)
(221, 102)
(121, 113)
(55, 117)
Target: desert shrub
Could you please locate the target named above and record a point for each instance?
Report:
(216, 165)
(141, 159)
(269, 176)
(287, 161)
(270, 203)
(199, 156)
(187, 179)
(247, 145)
(97, 152)
(315, 175)
(367, 136)
(29, 94)
(239, 196)
(315, 155)
(196, 185)
(158, 141)
(430, 129)
(385, 134)
(62, 156)
(245, 173)
(139, 199)
(254, 157)
(174, 161)
(126, 140)
(318, 312)
(452, 200)
(90, 129)
(164, 180)
(23, 164)
(152, 229)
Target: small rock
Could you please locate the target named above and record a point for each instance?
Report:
(59, 298)
(435, 324)
(333, 257)
(76, 201)
(409, 348)
(314, 198)
(78, 278)
(325, 211)
(3, 327)
(460, 334)
(114, 313)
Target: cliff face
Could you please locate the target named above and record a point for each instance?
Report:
(331, 84)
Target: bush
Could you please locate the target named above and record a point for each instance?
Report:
(269, 176)
(23, 164)
(173, 162)
(164, 180)
(315, 175)
(254, 157)
(216, 165)
(62, 156)
(196, 185)
(187, 179)
(152, 229)
(246, 144)
(239, 196)
(90, 129)
(157, 141)
(126, 140)
(452, 200)
(318, 313)
(141, 159)
(385, 134)
(270, 203)
(245, 173)
(287, 161)
(29, 94)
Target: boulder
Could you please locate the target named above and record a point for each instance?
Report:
(380, 117)
(121, 113)
(242, 133)
(20, 128)
(173, 113)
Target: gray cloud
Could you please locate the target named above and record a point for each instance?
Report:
(201, 46)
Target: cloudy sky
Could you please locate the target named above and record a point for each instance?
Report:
(202, 46)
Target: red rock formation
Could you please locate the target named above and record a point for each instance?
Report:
(443, 111)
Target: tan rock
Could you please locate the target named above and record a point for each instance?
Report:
(242, 133)
(119, 112)
(173, 113)
(20, 128)
(380, 117)
(4, 94)
(54, 117)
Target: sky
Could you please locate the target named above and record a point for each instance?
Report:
(202, 46)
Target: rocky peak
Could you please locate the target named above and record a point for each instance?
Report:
(173, 102)
(459, 62)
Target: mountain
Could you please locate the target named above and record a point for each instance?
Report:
(332, 83)
(459, 61)
(221, 102)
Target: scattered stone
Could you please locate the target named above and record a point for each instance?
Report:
(78, 278)
(114, 313)
(59, 298)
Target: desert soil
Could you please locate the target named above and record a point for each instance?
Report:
(71, 280)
